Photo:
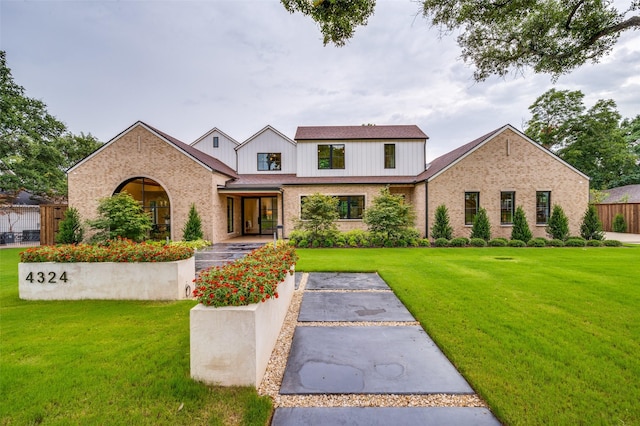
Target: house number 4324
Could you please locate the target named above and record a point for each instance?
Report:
(46, 277)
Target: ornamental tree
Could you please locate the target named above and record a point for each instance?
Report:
(441, 227)
(558, 226)
(120, 216)
(389, 217)
(481, 227)
(319, 215)
(193, 228)
(71, 230)
(520, 229)
(591, 227)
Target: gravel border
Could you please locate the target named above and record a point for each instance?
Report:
(272, 379)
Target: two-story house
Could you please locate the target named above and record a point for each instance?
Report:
(257, 186)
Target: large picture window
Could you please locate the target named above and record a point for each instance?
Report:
(471, 206)
(543, 207)
(507, 207)
(389, 156)
(269, 161)
(330, 156)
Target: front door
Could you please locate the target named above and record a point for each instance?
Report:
(260, 215)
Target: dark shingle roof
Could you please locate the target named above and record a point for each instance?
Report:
(626, 194)
(359, 132)
(274, 180)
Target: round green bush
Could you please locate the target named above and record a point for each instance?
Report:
(441, 242)
(478, 242)
(575, 242)
(498, 242)
(612, 243)
(555, 243)
(459, 242)
(517, 243)
(424, 242)
(315, 244)
(303, 244)
(594, 243)
(537, 242)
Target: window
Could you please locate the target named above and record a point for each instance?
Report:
(230, 215)
(216, 142)
(389, 156)
(543, 207)
(330, 156)
(471, 206)
(351, 207)
(269, 161)
(507, 203)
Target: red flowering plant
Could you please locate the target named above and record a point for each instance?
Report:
(118, 250)
(251, 279)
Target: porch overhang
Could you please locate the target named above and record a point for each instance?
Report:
(253, 190)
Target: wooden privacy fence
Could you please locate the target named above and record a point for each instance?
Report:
(50, 217)
(630, 211)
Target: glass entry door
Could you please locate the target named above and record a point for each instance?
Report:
(260, 215)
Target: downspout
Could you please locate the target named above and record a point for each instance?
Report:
(426, 208)
(282, 205)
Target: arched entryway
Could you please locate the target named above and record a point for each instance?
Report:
(154, 199)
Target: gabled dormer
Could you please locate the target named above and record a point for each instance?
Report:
(360, 150)
(267, 152)
(218, 144)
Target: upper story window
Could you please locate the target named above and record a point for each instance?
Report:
(269, 161)
(507, 206)
(543, 207)
(216, 142)
(471, 206)
(330, 156)
(389, 156)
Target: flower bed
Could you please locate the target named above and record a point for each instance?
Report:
(242, 307)
(119, 270)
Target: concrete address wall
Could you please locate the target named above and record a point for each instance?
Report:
(108, 280)
(231, 345)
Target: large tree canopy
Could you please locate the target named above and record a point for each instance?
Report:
(35, 147)
(497, 37)
(593, 140)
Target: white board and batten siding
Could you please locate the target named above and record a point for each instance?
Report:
(264, 142)
(225, 151)
(364, 158)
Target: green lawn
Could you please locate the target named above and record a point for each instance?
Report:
(105, 362)
(545, 336)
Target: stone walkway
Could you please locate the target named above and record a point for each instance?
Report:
(222, 253)
(354, 337)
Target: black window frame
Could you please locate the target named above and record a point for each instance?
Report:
(389, 155)
(507, 213)
(543, 212)
(332, 161)
(353, 203)
(469, 217)
(216, 142)
(266, 161)
(230, 215)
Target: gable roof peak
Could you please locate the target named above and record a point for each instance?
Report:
(397, 131)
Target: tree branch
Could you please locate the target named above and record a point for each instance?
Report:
(634, 21)
(567, 25)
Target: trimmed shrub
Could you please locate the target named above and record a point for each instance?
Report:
(481, 227)
(575, 242)
(498, 242)
(591, 227)
(388, 216)
(520, 230)
(303, 244)
(612, 243)
(424, 242)
(478, 242)
(441, 227)
(537, 242)
(555, 243)
(193, 228)
(517, 243)
(441, 242)
(120, 216)
(318, 216)
(70, 230)
(459, 242)
(558, 226)
(594, 243)
(619, 224)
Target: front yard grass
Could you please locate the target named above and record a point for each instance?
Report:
(545, 336)
(106, 362)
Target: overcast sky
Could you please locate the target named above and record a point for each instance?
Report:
(185, 67)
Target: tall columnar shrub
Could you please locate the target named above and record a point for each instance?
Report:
(70, 230)
(441, 227)
(558, 226)
(121, 216)
(520, 230)
(619, 224)
(389, 217)
(319, 216)
(193, 228)
(481, 227)
(591, 227)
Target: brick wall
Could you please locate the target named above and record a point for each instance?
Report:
(509, 163)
